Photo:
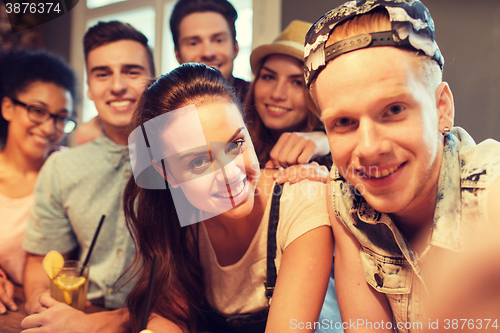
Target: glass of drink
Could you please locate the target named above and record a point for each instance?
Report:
(70, 284)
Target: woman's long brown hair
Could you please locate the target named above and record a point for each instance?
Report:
(151, 216)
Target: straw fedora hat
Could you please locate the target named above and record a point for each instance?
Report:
(290, 42)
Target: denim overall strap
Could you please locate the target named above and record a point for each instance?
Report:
(274, 217)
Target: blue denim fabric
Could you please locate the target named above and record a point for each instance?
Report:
(391, 266)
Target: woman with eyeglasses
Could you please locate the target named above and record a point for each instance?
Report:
(37, 95)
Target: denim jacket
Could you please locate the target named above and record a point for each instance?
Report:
(391, 266)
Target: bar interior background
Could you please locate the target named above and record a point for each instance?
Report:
(468, 33)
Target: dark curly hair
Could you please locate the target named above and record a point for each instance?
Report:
(22, 68)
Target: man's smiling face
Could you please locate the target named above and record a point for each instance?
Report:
(205, 37)
(117, 75)
(383, 124)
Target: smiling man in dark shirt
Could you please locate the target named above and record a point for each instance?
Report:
(204, 31)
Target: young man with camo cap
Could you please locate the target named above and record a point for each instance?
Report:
(406, 186)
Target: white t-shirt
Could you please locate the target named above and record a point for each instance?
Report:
(239, 288)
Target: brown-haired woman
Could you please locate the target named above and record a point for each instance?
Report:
(218, 275)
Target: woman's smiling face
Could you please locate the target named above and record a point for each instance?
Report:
(211, 158)
(279, 94)
(34, 140)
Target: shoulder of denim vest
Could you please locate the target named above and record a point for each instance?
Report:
(479, 163)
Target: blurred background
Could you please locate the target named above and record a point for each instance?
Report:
(468, 33)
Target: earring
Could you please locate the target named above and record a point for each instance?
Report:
(446, 130)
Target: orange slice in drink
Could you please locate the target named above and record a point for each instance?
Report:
(51, 260)
(69, 283)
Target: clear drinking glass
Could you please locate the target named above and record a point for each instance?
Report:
(70, 284)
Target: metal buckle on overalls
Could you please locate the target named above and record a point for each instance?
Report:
(269, 290)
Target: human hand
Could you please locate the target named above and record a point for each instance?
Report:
(6, 296)
(33, 303)
(312, 171)
(57, 317)
(298, 148)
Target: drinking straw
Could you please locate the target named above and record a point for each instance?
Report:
(149, 293)
(91, 248)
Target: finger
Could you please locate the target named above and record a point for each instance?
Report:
(47, 301)
(88, 304)
(36, 306)
(279, 177)
(3, 309)
(39, 329)
(312, 171)
(273, 156)
(32, 304)
(308, 149)
(278, 173)
(305, 172)
(31, 321)
(286, 156)
(281, 180)
(307, 153)
(269, 165)
(294, 178)
(36, 323)
(285, 175)
(33, 330)
(316, 172)
(276, 151)
(296, 147)
(6, 297)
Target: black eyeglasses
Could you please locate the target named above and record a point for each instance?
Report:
(39, 115)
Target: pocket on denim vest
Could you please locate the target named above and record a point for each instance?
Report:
(389, 275)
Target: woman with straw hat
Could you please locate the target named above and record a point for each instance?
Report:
(282, 116)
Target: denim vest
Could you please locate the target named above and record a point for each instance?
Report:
(391, 266)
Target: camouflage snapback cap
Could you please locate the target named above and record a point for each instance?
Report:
(412, 28)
